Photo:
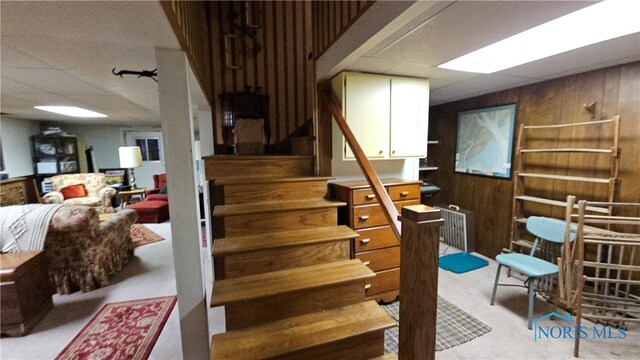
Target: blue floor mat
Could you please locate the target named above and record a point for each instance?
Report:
(461, 262)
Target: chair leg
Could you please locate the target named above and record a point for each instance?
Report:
(495, 285)
(532, 295)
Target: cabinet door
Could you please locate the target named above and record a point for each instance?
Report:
(367, 112)
(409, 117)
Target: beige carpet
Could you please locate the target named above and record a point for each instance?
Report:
(151, 274)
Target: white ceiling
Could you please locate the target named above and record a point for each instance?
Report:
(62, 53)
(434, 32)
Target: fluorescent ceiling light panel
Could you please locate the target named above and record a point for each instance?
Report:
(71, 111)
(596, 23)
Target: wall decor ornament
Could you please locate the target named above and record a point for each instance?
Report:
(485, 141)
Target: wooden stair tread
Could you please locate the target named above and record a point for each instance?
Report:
(254, 208)
(386, 357)
(287, 336)
(269, 179)
(242, 244)
(256, 157)
(277, 282)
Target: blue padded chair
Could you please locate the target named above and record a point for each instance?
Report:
(542, 228)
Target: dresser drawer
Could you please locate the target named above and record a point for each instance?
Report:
(384, 281)
(364, 197)
(382, 259)
(404, 192)
(365, 216)
(375, 238)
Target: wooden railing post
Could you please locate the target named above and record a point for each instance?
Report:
(419, 249)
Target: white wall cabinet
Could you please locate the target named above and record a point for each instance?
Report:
(388, 115)
(409, 117)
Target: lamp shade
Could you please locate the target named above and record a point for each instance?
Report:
(130, 156)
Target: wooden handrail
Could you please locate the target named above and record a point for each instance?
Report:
(369, 172)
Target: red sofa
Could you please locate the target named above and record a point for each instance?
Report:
(159, 181)
(155, 207)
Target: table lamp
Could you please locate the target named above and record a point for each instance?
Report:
(130, 157)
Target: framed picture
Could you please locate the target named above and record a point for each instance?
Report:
(485, 141)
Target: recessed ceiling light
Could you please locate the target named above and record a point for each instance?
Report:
(596, 23)
(71, 111)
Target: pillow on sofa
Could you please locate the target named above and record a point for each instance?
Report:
(163, 190)
(74, 191)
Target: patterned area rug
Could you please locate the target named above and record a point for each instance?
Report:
(141, 235)
(453, 326)
(123, 330)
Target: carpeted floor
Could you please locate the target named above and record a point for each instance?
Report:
(453, 326)
(151, 274)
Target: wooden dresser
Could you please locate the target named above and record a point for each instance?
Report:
(376, 246)
(13, 192)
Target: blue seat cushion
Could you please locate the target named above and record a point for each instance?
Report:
(527, 265)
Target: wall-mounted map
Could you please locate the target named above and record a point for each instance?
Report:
(485, 140)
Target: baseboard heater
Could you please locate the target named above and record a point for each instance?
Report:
(458, 229)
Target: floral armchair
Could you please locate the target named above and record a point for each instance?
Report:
(84, 252)
(98, 193)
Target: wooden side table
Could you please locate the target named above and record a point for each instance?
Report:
(125, 195)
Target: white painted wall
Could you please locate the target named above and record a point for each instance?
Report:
(349, 170)
(177, 125)
(106, 139)
(16, 147)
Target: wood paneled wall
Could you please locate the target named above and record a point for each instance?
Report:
(616, 91)
(332, 18)
(190, 22)
(283, 68)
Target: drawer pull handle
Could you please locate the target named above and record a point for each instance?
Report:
(371, 196)
(404, 193)
(363, 217)
(367, 286)
(364, 241)
(367, 262)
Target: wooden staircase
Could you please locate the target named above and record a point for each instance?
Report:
(282, 266)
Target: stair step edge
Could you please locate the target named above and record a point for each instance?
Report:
(274, 206)
(269, 179)
(281, 239)
(258, 286)
(386, 357)
(302, 332)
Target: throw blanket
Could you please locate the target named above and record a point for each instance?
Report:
(24, 227)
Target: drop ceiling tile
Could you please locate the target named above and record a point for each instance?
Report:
(13, 58)
(469, 25)
(9, 86)
(48, 99)
(371, 65)
(53, 80)
(440, 78)
(414, 70)
(428, 9)
(476, 86)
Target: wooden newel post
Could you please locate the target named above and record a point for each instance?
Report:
(419, 249)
